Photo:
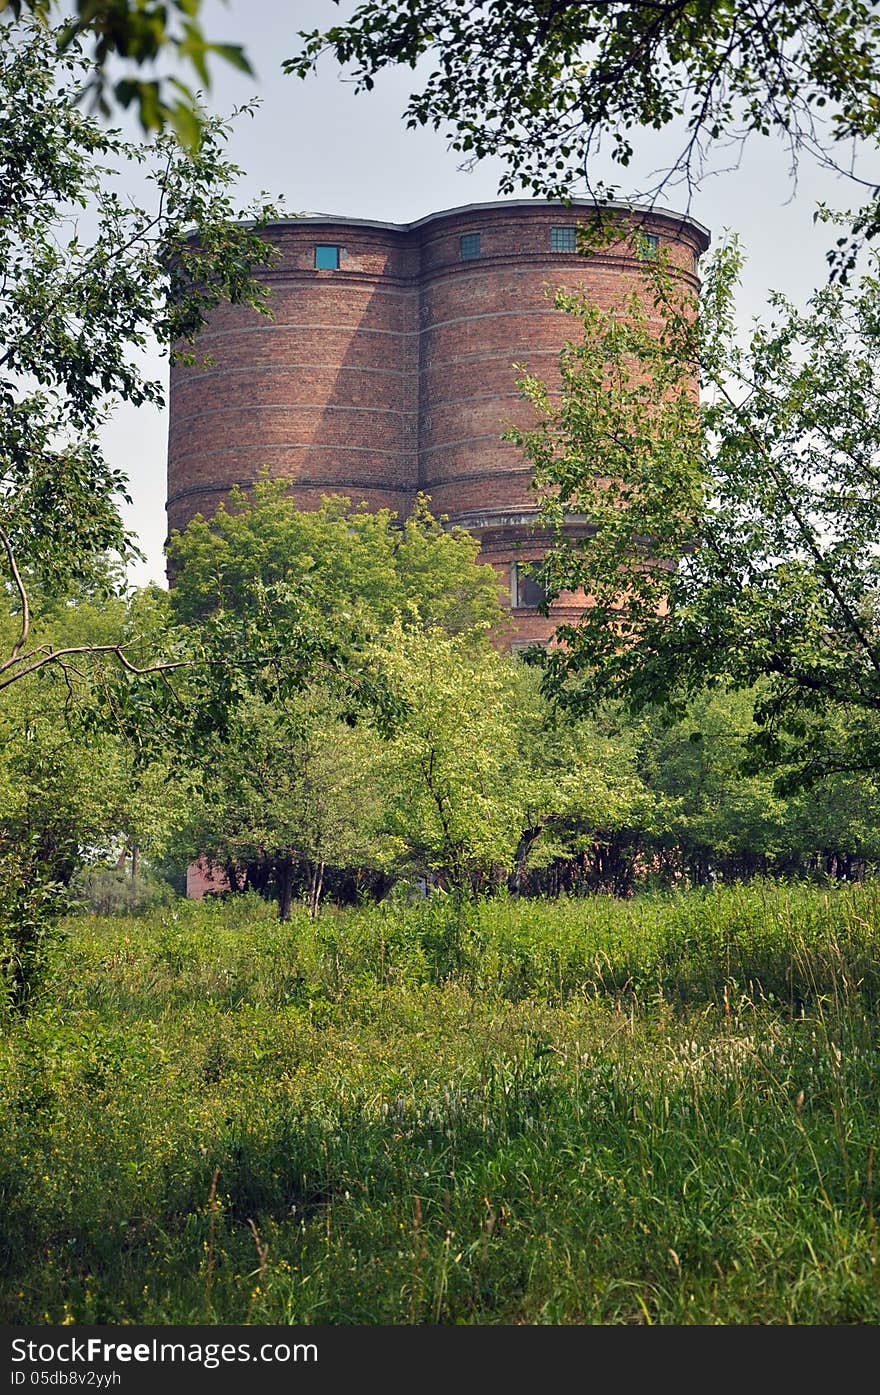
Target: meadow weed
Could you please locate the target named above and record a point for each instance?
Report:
(658, 1110)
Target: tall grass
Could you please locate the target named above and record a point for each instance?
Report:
(661, 1110)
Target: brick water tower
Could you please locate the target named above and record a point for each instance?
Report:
(388, 367)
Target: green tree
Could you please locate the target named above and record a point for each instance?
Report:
(69, 797)
(473, 780)
(293, 792)
(833, 825)
(725, 820)
(730, 813)
(456, 785)
(732, 542)
(285, 749)
(486, 782)
(268, 599)
(132, 35)
(544, 85)
(89, 279)
(76, 306)
(586, 806)
(348, 566)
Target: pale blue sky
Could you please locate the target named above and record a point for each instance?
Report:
(323, 149)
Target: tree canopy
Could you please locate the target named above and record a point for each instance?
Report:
(547, 85)
(128, 37)
(340, 562)
(732, 541)
(297, 782)
(89, 279)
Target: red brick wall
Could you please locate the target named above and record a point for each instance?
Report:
(204, 880)
(322, 394)
(396, 372)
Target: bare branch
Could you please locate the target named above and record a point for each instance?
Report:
(39, 658)
(23, 597)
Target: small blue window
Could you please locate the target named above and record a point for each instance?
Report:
(563, 239)
(327, 257)
(649, 246)
(469, 245)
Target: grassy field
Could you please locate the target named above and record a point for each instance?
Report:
(591, 1111)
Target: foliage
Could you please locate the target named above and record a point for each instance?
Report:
(308, 789)
(136, 34)
(411, 749)
(81, 296)
(467, 782)
(292, 788)
(723, 818)
(660, 1110)
(293, 791)
(735, 542)
(476, 781)
(727, 813)
(487, 782)
(341, 563)
(585, 802)
(543, 86)
(457, 790)
(68, 797)
(269, 600)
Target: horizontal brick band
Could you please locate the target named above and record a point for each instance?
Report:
(339, 487)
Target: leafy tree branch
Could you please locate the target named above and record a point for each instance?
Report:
(549, 86)
(733, 541)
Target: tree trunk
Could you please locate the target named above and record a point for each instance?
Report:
(527, 838)
(259, 875)
(316, 883)
(284, 877)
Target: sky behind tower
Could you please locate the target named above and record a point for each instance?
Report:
(321, 148)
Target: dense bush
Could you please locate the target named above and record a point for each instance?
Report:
(105, 891)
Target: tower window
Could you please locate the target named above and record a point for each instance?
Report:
(327, 257)
(528, 593)
(563, 239)
(469, 246)
(649, 246)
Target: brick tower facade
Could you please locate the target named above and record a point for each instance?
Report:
(388, 367)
